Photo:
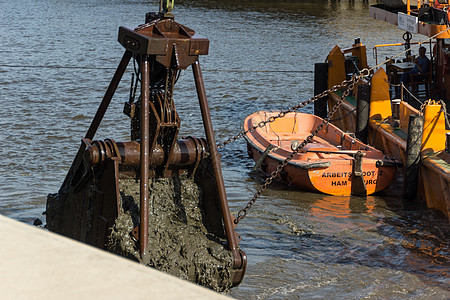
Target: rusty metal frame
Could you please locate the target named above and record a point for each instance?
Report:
(178, 50)
(98, 116)
(145, 153)
(209, 131)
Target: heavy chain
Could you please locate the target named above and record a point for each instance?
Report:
(422, 107)
(444, 110)
(284, 112)
(350, 85)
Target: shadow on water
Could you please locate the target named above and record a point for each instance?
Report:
(380, 231)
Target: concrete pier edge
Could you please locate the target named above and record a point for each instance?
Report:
(37, 264)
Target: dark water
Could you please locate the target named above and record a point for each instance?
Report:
(57, 58)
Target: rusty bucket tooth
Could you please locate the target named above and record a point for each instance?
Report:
(157, 199)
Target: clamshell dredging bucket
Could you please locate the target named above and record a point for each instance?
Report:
(156, 199)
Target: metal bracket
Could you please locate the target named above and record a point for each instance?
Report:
(135, 233)
(266, 152)
(358, 183)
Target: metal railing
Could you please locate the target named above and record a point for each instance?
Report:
(375, 48)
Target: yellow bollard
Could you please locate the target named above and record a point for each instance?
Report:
(336, 67)
(433, 137)
(380, 101)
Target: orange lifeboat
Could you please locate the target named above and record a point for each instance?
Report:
(333, 163)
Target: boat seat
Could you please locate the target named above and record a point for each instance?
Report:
(324, 149)
(314, 146)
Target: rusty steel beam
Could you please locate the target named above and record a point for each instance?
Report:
(145, 153)
(108, 95)
(100, 113)
(209, 131)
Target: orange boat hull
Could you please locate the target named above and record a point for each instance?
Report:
(325, 165)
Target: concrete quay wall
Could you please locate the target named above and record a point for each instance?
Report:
(37, 264)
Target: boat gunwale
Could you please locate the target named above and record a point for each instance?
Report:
(305, 170)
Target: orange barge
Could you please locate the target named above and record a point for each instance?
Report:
(334, 163)
(388, 123)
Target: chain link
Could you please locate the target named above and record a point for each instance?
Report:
(350, 85)
(146, 25)
(284, 112)
(444, 110)
(422, 107)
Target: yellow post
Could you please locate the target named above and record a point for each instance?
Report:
(380, 101)
(408, 6)
(360, 52)
(336, 67)
(433, 137)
